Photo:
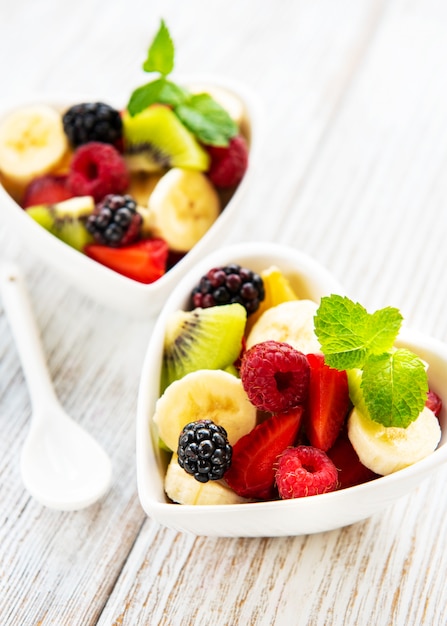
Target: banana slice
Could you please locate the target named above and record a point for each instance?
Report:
(385, 450)
(291, 322)
(182, 207)
(185, 489)
(32, 143)
(204, 394)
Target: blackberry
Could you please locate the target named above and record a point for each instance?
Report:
(227, 285)
(92, 121)
(203, 450)
(115, 221)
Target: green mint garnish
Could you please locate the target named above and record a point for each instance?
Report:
(207, 120)
(394, 387)
(159, 91)
(393, 383)
(348, 333)
(160, 57)
(200, 113)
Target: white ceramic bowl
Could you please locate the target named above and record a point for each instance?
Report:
(99, 282)
(288, 517)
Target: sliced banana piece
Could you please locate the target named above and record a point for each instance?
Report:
(32, 143)
(185, 489)
(290, 322)
(385, 450)
(182, 207)
(204, 394)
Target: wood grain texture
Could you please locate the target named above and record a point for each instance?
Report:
(352, 172)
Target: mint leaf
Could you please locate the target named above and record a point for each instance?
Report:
(388, 384)
(159, 91)
(160, 57)
(341, 326)
(207, 120)
(348, 333)
(394, 387)
(383, 328)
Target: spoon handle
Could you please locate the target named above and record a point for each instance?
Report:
(18, 310)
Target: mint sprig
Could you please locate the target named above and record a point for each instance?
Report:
(207, 119)
(161, 91)
(390, 383)
(200, 113)
(160, 56)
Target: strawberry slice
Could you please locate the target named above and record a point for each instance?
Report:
(328, 402)
(434, 402)
(47, 189)
(350, 470)
(144, 261)
(252, 470)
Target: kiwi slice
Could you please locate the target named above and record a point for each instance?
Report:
(156, 139)
(208, 338)
(66, 220)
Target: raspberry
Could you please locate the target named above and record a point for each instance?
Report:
(305, 471)
(227, 285)
(93, 121)
(228, 164)
(97, 169)
(275, 376)
(115, 221)
(203, 450)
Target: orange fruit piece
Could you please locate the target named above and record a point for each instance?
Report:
(277, 290)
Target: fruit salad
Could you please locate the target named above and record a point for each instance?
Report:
(266, 396)
(133, 189)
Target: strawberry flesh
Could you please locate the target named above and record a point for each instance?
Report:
(328, 404)
(252, 470)
(47, 189)
(434, 402)
(144, 261)
(350, 470)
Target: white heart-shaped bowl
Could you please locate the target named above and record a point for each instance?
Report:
(287, 517)
(99, 282)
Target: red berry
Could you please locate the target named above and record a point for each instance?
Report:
(97, 169)
(329, 402)
(47, 189)
(144, 261)
(275, 376)
(228, 164)
(252, 470)
(305, 471)
(350, 470)
(434, 402)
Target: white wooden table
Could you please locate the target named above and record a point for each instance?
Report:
(353, 172)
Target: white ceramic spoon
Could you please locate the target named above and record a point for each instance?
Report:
(62, 466)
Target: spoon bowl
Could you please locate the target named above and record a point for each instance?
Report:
(62, 466)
